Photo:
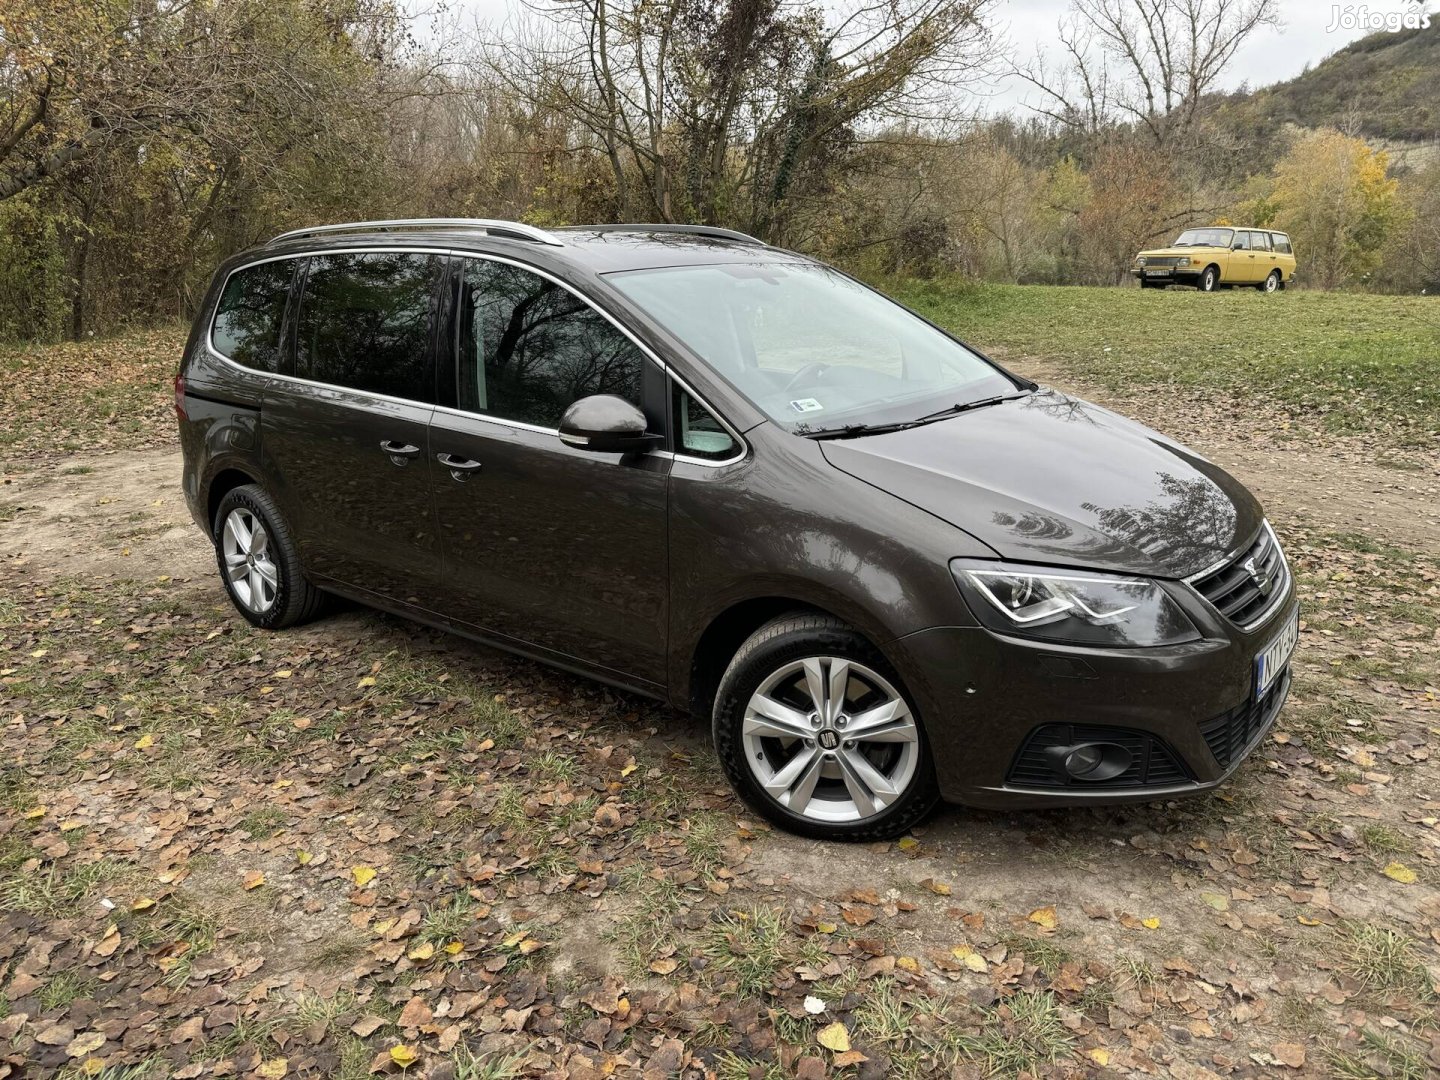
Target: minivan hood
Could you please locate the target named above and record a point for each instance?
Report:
(1052, 479)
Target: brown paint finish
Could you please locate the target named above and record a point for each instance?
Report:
(632, 567)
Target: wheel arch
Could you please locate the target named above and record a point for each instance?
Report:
(225, 480)
(720, 636)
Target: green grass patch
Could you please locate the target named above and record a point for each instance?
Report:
(1344, 362)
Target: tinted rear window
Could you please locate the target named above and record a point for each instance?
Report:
(250, 314)
(365, 323)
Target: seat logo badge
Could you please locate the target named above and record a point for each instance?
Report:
(1261, 579)
(828, 739)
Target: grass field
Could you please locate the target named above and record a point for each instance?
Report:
(1345, 363)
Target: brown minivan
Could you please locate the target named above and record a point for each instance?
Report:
(730, 477)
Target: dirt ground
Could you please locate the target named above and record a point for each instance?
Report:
(363, 846)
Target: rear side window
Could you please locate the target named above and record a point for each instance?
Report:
(1282, 243)
(365, 323)
(530, 348)
(250, 315)
(1260, 241)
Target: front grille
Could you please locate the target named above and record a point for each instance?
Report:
(1246, 588)
(1234, 734)
(1161, 260)
(1151, 762)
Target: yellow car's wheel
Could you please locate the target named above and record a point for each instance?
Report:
(1209, 279)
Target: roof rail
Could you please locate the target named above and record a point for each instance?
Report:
(512, 229)
(693, 230)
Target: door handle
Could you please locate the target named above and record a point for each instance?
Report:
(460, 468)
(399, 453)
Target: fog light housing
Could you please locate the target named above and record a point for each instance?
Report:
(1091, 762)
(1084, 760)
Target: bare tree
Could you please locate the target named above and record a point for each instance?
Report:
(733, 111)
(1148, 62)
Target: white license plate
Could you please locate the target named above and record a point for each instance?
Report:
(1157, 273)
(1273, 658)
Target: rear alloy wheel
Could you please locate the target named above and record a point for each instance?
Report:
(816, 734)
(259, 562)
(1209, 279)
(1271, 283)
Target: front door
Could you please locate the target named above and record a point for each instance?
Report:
(550, 546)
(1244, 270)
(346, 439)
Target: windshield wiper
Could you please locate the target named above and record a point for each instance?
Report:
(851, 431)
(967, 406)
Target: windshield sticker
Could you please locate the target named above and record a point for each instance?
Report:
(805, 405)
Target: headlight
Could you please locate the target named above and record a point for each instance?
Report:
(1075, 607)
(1182, 261)
(1140, 261)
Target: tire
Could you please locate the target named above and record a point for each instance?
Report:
(779, 659)
(1209, 279)
(268, 588)
(1270, 284)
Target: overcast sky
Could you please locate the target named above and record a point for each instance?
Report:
(1270, 56)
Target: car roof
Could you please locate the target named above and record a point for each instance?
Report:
(598, 249)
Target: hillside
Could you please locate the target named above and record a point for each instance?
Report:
(1383, 87)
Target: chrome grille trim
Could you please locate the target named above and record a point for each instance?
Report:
(1231, 589)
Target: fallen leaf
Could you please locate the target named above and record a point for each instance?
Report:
(85, 1044)
(1044, 917)
(1292, 1054)
(363, 875)
(273, 1069)
(403, 1055)
(1099, 1055)
(850, 1057)
(145, 742)
(424, 951)
(834, 1037)
(254, 879)
(1151, 923)
(908, 844)
(1399, 872)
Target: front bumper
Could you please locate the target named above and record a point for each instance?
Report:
(1176, 276)
(983, 696)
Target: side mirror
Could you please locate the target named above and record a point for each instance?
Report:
(607, 425)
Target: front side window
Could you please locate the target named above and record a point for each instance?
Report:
(697, 433)
(530, 348)
(365, 323)
(1282, 242)
(810, 347)
(250, 315)
(1242, 241)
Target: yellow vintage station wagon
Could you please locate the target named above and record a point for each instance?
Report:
(1219, 257)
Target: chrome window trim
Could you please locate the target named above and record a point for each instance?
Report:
(403, 249)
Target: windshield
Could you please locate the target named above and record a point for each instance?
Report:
(811, 348)
(1205, 238)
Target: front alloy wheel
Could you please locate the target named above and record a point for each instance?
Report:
(830, 739)
(815, 732)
